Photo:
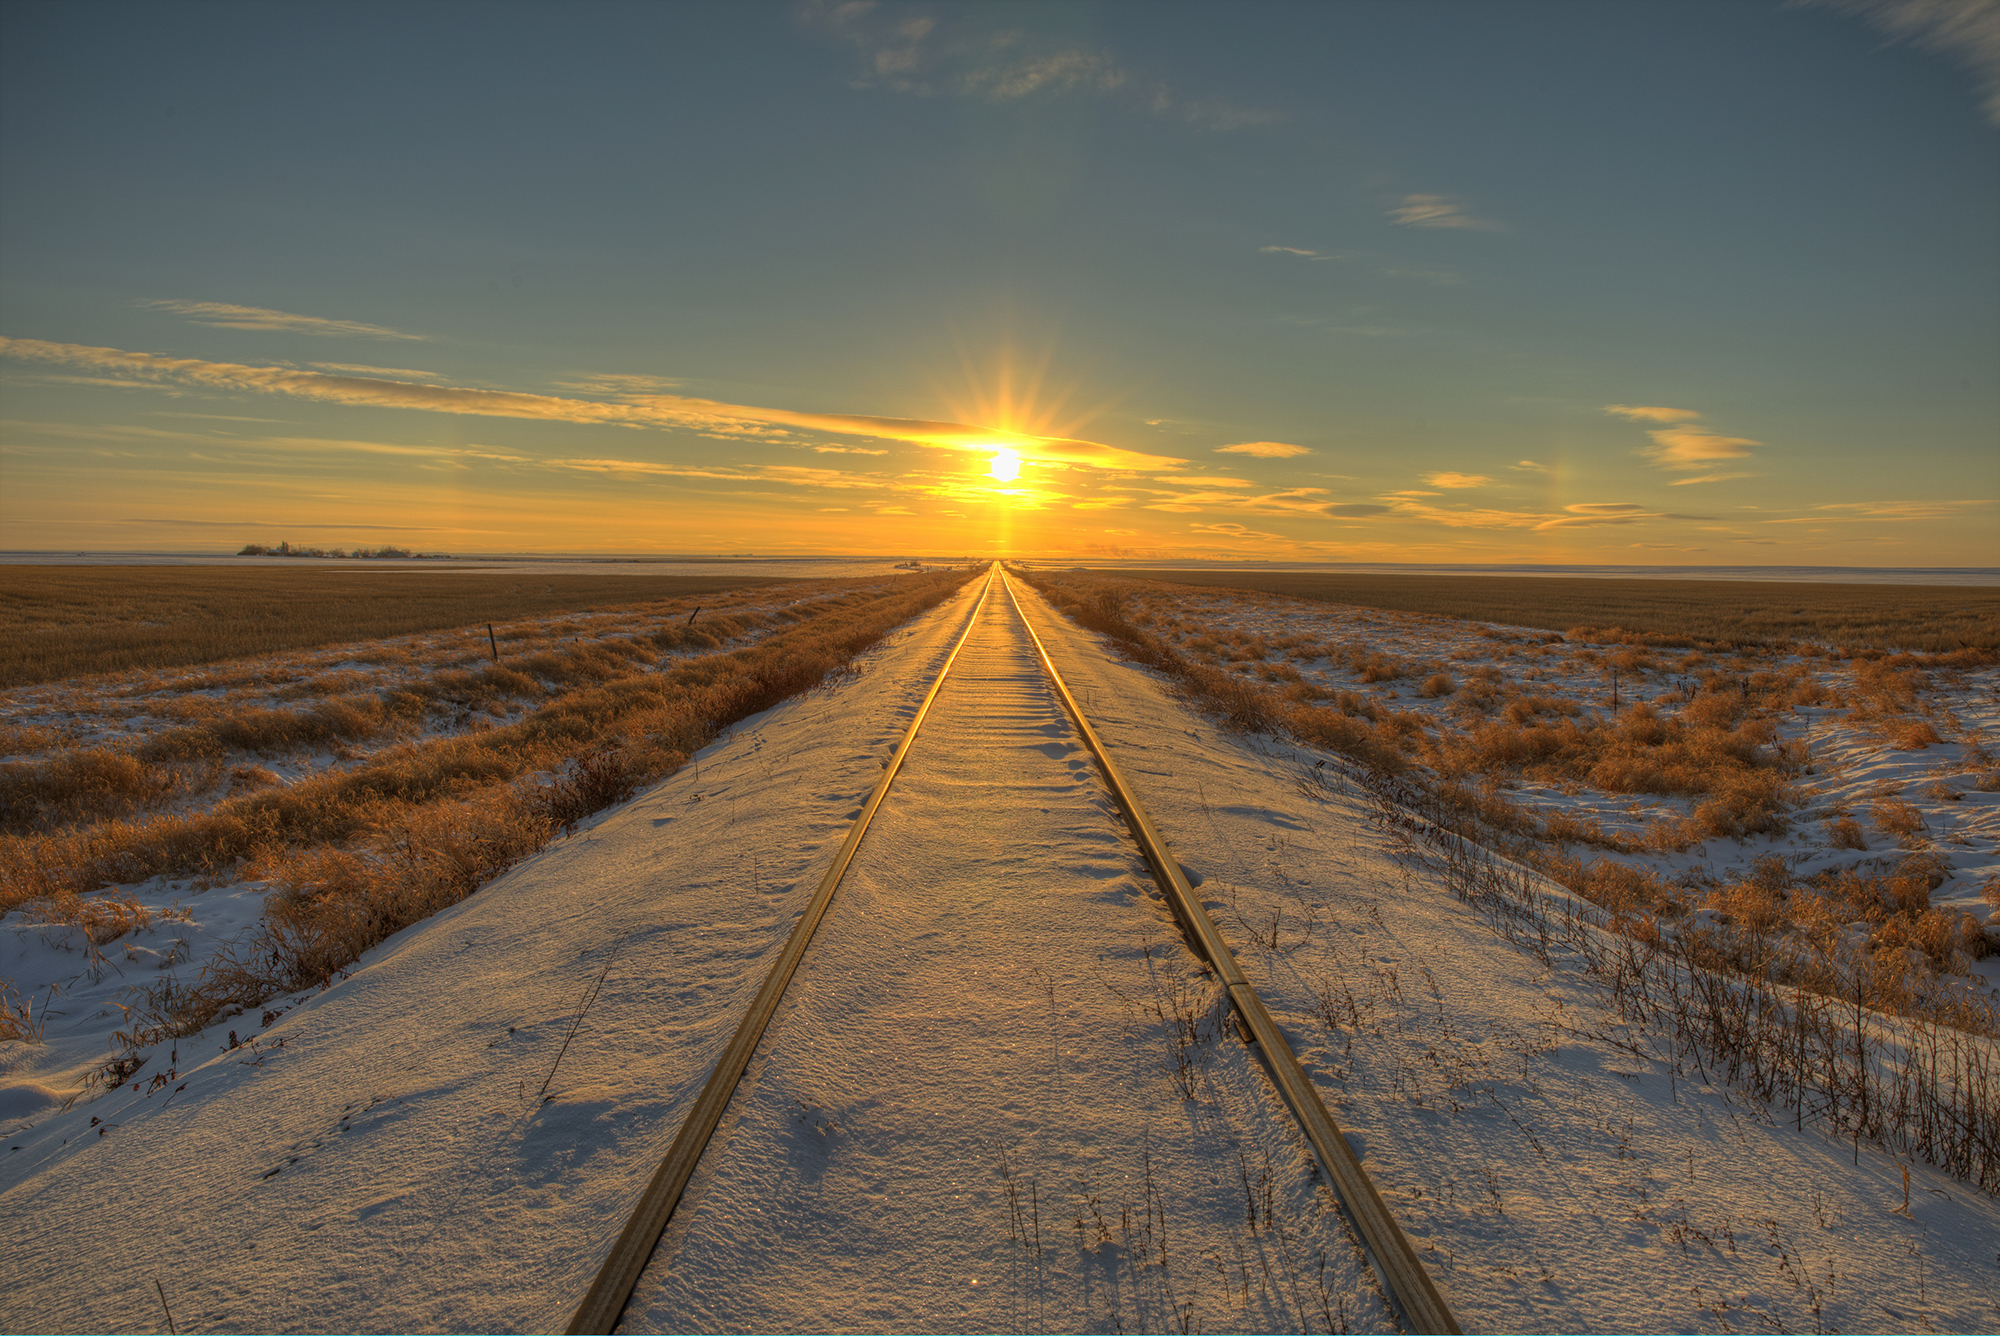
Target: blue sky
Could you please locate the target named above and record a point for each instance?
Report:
(1474, 281)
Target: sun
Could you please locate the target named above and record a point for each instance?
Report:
(1006, 466)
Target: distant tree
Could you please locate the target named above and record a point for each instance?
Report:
(253, 550)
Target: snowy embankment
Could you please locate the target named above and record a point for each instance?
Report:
(436, 1142)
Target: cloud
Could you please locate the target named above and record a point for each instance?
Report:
(705, 416)
(1589, 513)
(846, 450)
(798, 477)
(1707, 477)
(1292, 250)
(1684, 446)
(1438, 211)
(1235, 531)
(1639, 414)
(1892, 511)
(909, 52)
(1967, 31)
(394, 373)
(224, 316)
(1264, 449)
(1690, 447)
(1204, 480)
(1458, 480)
(1530, 466)
(1357, 510)
(614, 383)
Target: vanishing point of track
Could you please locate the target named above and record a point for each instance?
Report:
(1408, 1287)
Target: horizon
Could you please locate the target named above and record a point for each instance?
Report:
(1524, 284)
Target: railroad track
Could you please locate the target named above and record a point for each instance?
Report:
(998, 614)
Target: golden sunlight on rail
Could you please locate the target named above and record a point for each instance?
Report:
(1006, 466)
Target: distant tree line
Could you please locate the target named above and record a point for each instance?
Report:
(340, 553)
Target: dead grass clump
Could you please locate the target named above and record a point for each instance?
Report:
(1437, 685)
(70, 787)
(267, 731)
(1845, 833)
(16, 740)
(1899, 818)
(1912, 734)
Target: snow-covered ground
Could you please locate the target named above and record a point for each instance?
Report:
(1002, 1098)
(76, 990)
(1859, 766)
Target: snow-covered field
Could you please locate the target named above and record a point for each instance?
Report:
(1001, 1097)
(1920, 785)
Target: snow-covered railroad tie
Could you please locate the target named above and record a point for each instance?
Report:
(1006, 653)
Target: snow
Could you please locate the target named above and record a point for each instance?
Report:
(996, 979)
(1854, 767)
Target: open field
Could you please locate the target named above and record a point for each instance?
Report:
(1823, 818)
(1689, 613)
(59, 622)
(366, 786)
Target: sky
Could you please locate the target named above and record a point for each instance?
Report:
(1698, 282)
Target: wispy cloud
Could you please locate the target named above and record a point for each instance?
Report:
(1640, 413)
(798, 477)
(907, 50)
(1438, 211)
(1893, 511)
(621, 384)
(1384, 267)
(704, 416)
(393, 372)
(1292, 501)
(1263, 449)
(1588, 513)
(1967, 31)
(846, 450)
(1458, 480)
(1707, 477)
(225, 316)
(1530, 466)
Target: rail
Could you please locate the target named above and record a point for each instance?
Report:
(1408, 1287)
(605, 1302)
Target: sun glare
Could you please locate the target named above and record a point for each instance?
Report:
(1006, 466)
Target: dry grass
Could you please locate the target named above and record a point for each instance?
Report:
(59, 622)
(1352, 728)
(1718, 748)
(1931, 618)
(1728, 1002)
(355, 855)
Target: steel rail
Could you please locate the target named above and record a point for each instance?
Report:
(604, 1305)
(1409, 1287)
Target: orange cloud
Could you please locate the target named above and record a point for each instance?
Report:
(1457, 480)
(1264, 449)
(1690, 447)
(1637, 413)
(706, 416)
